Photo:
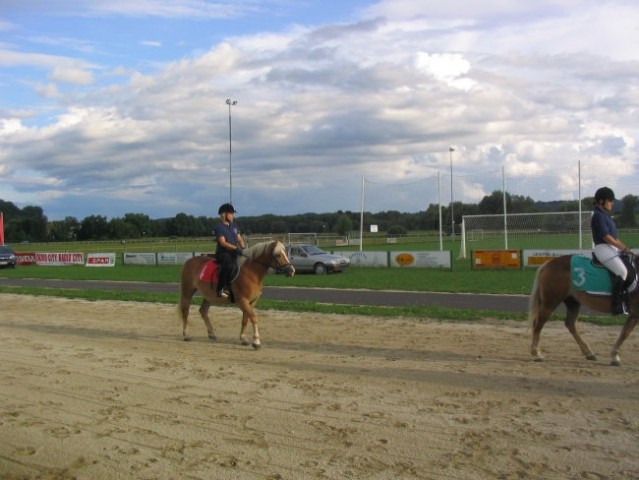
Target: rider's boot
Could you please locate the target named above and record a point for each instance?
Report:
(618, 304)
(219, 290)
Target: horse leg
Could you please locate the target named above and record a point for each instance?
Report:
(541, 317)
(183, 308)
(249, 314)
(572, 313)
(204, 313)
(615, 359)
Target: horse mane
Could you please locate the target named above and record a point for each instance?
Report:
(257, 250)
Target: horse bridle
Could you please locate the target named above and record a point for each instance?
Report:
(278, 268)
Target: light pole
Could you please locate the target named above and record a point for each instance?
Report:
(452, 211)
(230, 103)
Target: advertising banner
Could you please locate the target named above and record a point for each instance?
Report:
(139, 258)
(536, 258)
(59, 258)
(100, 260)
(496, 259)
(25, 258)
(435, 259)
(366, 259)
(173, 258)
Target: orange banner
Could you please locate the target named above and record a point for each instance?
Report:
(496, 259)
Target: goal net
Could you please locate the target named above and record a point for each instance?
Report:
(549, 230)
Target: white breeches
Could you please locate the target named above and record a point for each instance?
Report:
(609, 257)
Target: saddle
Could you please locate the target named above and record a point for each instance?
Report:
(590, 275)
(210, 271)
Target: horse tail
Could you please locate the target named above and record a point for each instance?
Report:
(534, 301)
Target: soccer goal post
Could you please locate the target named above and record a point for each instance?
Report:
(548, 230)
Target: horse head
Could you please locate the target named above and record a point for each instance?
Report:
(283, 264)
(271, 255)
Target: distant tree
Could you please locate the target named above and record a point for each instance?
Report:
(279, 226)
(344, 225)
(628, 217)
(63, 230)
(397, 230)
(119, 229)
(94, 227)
(140, 225)
(187, 226)
(34, 224)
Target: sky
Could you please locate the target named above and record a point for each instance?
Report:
(110, 107)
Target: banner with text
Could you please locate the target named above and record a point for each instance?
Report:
(100, 260)
(536, 258)
(145, 258)
(435, 259)
(366, 259)
(59, 258)
(173, 258)
(26, 258)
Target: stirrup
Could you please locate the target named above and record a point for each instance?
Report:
(222, 294)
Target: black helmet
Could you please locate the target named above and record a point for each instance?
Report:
(226, 208)
(604, 193)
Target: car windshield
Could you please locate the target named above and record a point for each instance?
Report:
(4, 249)
(313, 250)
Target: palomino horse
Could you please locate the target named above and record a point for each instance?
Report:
(246, 288)
(553, 286)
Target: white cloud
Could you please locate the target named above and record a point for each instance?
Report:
(72, 75)
(319, 107)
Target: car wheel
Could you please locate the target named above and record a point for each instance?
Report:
(319, 269)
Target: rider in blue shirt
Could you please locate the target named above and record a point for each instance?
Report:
(608, 248)
(229, 246)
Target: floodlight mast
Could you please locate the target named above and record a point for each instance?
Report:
(230, 103)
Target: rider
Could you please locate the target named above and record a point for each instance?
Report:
(229, 246)
(608, 248)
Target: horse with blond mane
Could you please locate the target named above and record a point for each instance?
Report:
(245, 289)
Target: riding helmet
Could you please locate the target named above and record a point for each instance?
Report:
(226, 208)
(604, 193)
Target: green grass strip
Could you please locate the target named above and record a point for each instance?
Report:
(431, 313)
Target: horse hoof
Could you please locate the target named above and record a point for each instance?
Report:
(591, 357)
(539, 359)
(615, 363)
(246, 343)
(257, 346)
(213, 338)
(187, 339)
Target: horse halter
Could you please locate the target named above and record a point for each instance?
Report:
(287, 268)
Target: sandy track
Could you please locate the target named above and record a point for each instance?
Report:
(107, 390)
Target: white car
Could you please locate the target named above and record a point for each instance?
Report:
(306, 257)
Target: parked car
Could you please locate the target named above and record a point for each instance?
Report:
(7, 257)
(306, 257)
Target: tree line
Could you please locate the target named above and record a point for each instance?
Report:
(31, 224)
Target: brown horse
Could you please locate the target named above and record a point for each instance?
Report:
(552, 286)
(246, 288)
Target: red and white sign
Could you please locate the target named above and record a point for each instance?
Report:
(101, 260)
(26, 258)
(56, 258)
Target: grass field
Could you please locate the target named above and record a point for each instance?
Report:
(461, 279)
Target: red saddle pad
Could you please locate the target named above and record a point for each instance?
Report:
(209, 271)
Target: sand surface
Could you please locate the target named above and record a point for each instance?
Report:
(108, 390)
